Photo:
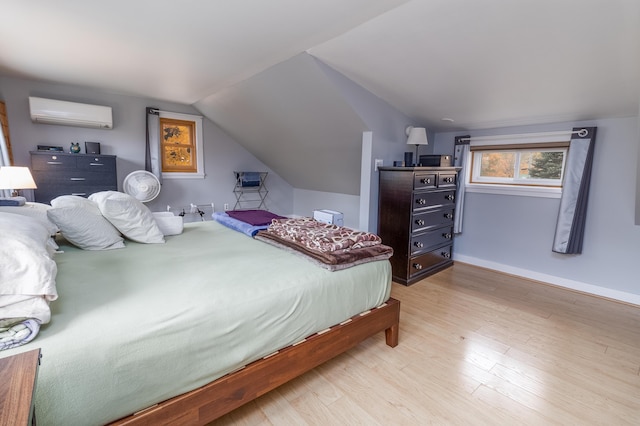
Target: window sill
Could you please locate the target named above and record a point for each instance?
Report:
(183, 176)
(519, 190)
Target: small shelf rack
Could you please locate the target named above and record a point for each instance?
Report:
(250, 190)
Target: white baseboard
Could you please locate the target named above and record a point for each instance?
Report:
(622, 296)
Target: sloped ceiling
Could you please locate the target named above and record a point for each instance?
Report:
(180, 51)
(497, 63)
(293, 119)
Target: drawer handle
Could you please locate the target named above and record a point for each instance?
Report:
(80, 178)
(450, 197)
(54, 162)
(82, 194)
(448, 215)
(96, 164)
(419, 222)
(425, 180)
(421, 201)
(447, 235)
(418, 244)
(445, 254)
(448, 179)
(417, 266)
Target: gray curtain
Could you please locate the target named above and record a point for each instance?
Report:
(575, 193)
(152, 161)
(460, 159)
(4, 160)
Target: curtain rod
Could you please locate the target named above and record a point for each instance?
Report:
(582, 133)
(156, 110)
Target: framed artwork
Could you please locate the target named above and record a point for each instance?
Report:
(178, 145)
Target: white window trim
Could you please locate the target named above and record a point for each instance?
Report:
(199, 174)
(518, 190)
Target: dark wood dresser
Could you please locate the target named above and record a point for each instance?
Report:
(415, 216)
(59, 173)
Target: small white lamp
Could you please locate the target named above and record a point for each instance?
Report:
(16, 178)
(416, 136)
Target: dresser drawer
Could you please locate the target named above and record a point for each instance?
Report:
(70, 177)
(425, 261)
(426, 241)
(47, 193)
(425, 181)
(446, 179)
(431, 219)
(53, 162)
(96, 163)
(429, 200)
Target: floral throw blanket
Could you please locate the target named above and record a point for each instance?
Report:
(321, 236)
(329, 246)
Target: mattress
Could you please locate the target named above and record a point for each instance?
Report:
(135, 326)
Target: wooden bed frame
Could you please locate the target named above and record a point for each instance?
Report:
(229, 392)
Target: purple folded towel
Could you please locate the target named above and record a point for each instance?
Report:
(254, 217)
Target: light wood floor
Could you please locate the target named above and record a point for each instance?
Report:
(476, 347)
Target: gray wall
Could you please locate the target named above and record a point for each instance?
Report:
(515, 233)
(638, 173)
(388, 127)
(294, 120)
(127, 140)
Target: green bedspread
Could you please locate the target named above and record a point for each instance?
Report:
(136, 326)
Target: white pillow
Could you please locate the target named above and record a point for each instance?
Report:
(84, 229)
(76, 201)
(34, 210)
(129, 215)
(27, 266)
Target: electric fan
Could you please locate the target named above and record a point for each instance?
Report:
(141, 185)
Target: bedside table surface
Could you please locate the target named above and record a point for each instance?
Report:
(17, 384)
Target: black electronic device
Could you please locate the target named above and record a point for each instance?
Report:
(49, 148)
(92, 147)
(436, 160)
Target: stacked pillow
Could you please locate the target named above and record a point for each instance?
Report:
(129, 215)
(82, 224)
(35, 210)
(28, 270)
(99, 222)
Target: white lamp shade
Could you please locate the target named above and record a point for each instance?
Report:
(417, 136)
(14, 177)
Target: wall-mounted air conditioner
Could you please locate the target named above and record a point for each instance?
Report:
(51, 111)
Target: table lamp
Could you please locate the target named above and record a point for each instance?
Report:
(16, 178)
(416, 136)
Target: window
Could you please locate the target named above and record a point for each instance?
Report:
(519, 167)
(181, 145)
(178, 145)
(534, 169)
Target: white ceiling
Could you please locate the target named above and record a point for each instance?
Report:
(483, 63)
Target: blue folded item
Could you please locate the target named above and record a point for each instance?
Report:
(249, 179)
(12, 201)
(237, 225)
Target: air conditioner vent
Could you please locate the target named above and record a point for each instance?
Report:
(51, 111)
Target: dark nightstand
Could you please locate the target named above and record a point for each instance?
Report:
(17, 385)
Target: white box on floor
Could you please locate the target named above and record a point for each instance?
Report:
(329, 216)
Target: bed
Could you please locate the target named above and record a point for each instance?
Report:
(186, 331)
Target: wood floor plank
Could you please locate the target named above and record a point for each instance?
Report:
(476, 347)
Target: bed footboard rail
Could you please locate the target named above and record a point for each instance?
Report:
(229, 392)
